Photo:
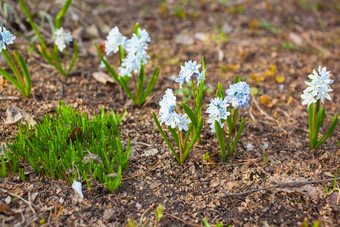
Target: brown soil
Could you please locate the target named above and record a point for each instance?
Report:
(194, 190)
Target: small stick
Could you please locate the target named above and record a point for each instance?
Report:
(19, 197)
(282, 185)
(185, 222)
(159, 161)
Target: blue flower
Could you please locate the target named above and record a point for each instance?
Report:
(182, 122)
(167, 110)
(180, 80)
(238, 95)
(200, 76)
(6, 38)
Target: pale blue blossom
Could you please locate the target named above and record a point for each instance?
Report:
(114, 40)
(180, 80)
(131, 63)
(323, 93)
(200, 76)
(217, 111)
(238, 95)
(167, 111)
(6, 38)
(61, 38)
(188, 70)
(182, 122)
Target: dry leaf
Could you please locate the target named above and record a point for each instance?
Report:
(103, 77)
(14, 114)
(155, 185)
(214, 183)
(4, 208)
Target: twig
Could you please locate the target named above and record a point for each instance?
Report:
(185, 222)
(159, 161)
(258, 107)
(19, 197)
(282, 185)
(141, 218)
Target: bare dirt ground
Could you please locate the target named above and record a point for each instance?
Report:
(273, 45)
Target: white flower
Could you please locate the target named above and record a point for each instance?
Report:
(308, 98)
(318, 87)
(62, 38)
(114, 40)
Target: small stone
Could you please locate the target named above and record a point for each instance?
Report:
(103, 77)
(184, 39)
(295, 38)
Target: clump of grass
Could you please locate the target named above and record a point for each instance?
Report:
(71, 146)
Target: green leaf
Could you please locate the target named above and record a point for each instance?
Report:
(206, 223)
(219, 93)
(75, 55)
(165, 137)
(25, 71)
(136, 29)
(114, 75)
(193, 140)
(329, 131)
(230, 152)
(151, 84)
(237, 79)
(61, 14)
(191, 114)
(220, 138)
(310, 124)
(12, 80)
(174, 135)
(320, 116)
(159, 213)
(140, 87)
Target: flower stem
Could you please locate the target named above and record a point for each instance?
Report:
(135, 81)
(180, 142)
(314, 119)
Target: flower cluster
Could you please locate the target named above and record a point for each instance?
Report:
(6, 38)
(217, 111)
(61, 38)
(318, 87)
(136, 48)
(190, 68)
(238, 95)
(114, 40)
(168, 113)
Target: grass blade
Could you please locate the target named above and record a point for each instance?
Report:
(230, 152)
(75, 55)
(191, 114)
(220, 137)
(329, 131)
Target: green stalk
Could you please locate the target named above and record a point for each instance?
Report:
(30, 20)
(17, 69)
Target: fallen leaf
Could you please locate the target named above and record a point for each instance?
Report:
(214, 183)
(8, 98)
(230, 184)
(4, 208)
(112, 214)
(103, 77)
(15, 114)
(280, 79)
(92, 31)
(154, 185)
(150, 152)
